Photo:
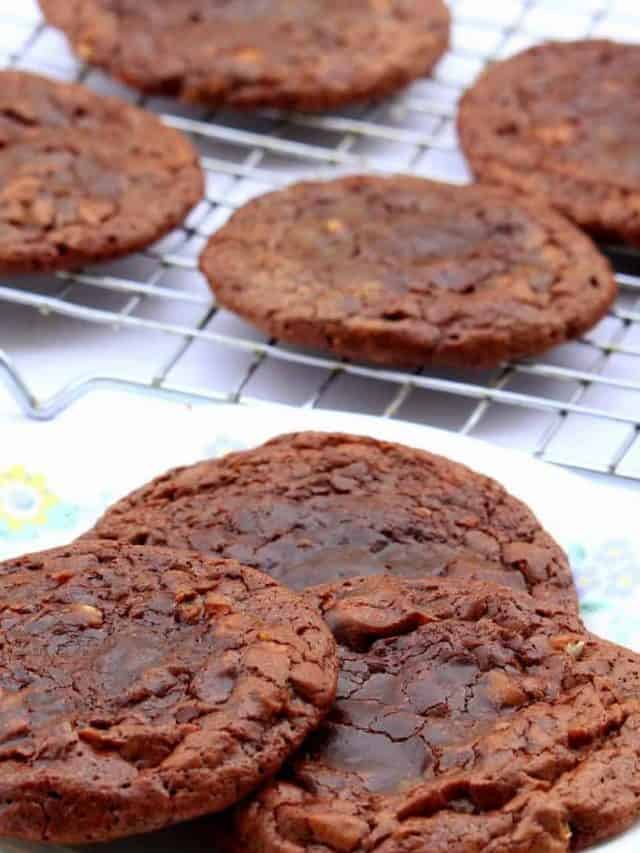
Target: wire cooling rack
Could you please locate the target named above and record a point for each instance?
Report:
(149, 322)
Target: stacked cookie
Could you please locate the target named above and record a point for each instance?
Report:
(142, 686)
(370, 646)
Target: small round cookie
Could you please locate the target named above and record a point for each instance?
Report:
(141, 687)
(562, 121)
(308, 55)
(312, 508)
(83, 177)
(468, 719)
(406, 272)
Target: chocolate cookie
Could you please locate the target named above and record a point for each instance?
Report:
(140, 687)
(562, 121)
(468, 719)
(312, 508)
(84, 178)
(406, 272)
(308, 55)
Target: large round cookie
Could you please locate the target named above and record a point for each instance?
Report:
(468, 719)
(141, 686)
(84, 178)
(563, 121)
(310, 508)
(307, 54)
(406, 272)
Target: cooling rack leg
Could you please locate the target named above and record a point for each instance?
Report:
(46, 410)
(17, 387)
(28, 403)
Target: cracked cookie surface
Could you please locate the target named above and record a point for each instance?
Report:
(469, 718)
(311, 508)
(562, 121)
(140, 687)
(405, 272)
(83, 177)
(308, 55)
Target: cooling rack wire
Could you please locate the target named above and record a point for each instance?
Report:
(148, 323)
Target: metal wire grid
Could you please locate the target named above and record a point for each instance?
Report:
(574, 392)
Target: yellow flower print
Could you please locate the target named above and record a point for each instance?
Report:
(25, 501)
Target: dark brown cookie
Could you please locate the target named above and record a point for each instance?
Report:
(468, 719)
(84, 178)
(562, 121)
(140, 687)
(312, 508)
(307, 55)
(406, 272)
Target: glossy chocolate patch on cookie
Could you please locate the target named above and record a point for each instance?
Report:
(85, 178)
(468, 719)
(140, 687)
(307, 54)
(311, 508)
(405, 272)
(562, 121)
